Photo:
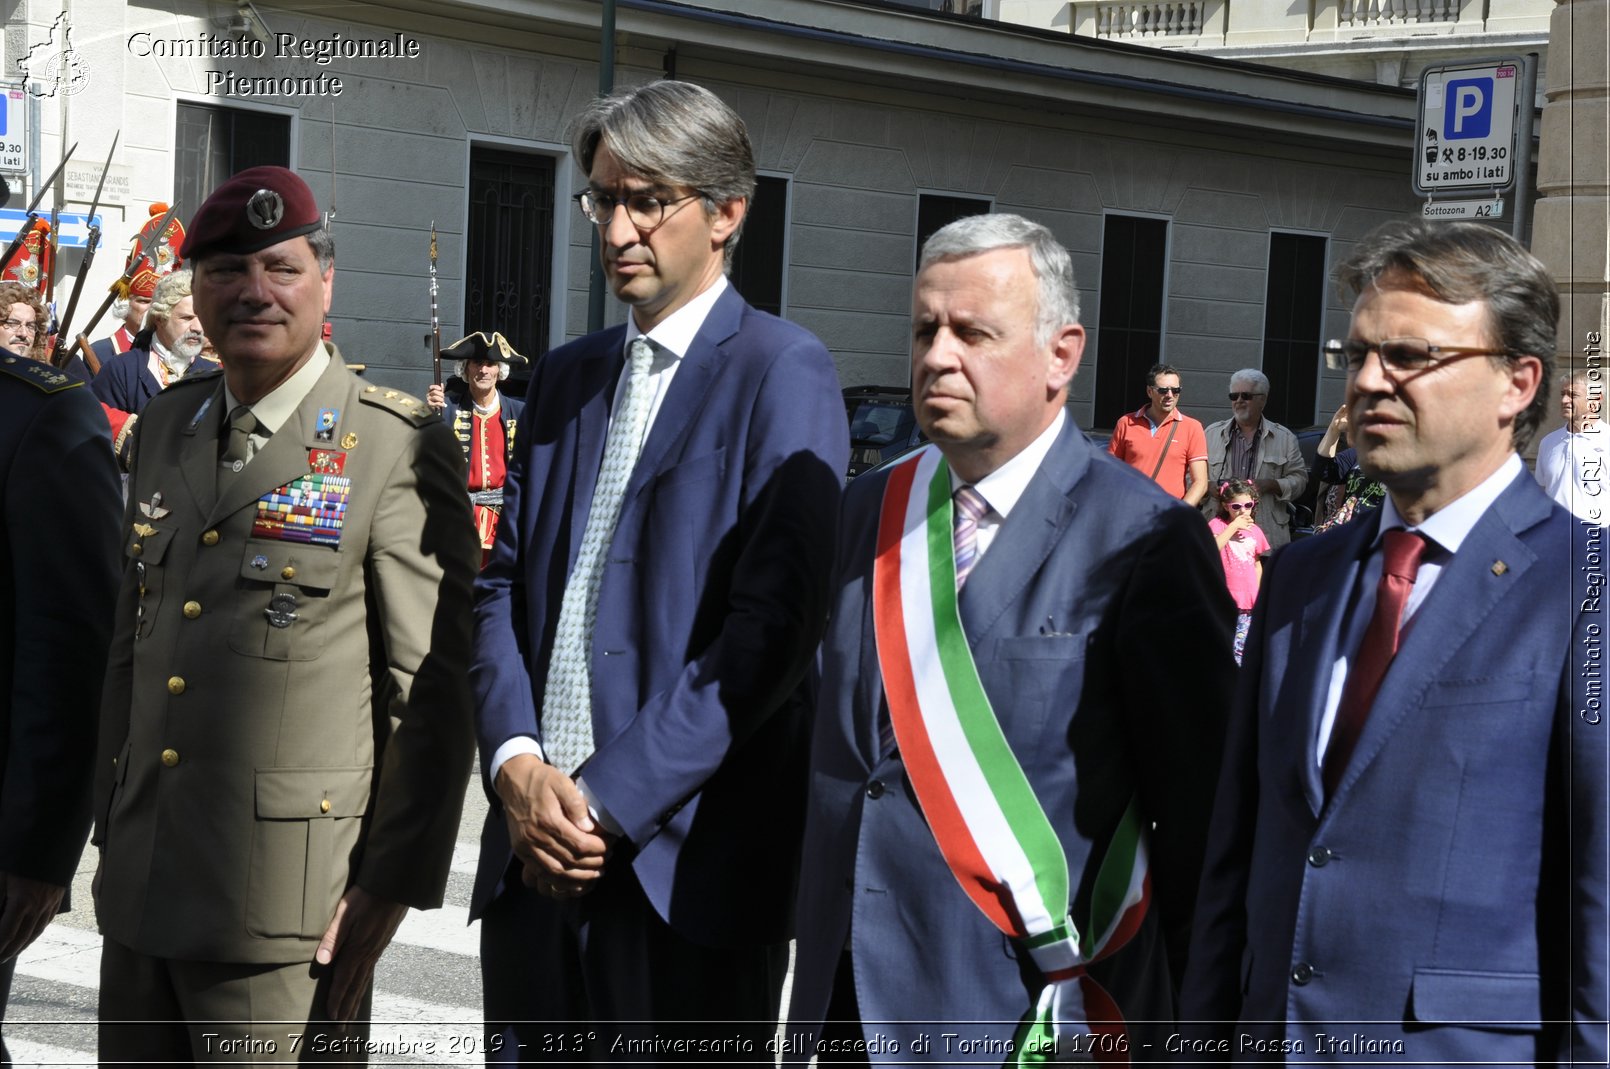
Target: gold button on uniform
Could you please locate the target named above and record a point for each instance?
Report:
(287, 572)
(324, 806)
(210, 538)
(136, 549)
(192, 610)
(170, 758)
(176, 685)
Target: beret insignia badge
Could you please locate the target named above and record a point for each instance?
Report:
(265, 209)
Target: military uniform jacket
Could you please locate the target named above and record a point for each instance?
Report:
(283, 719)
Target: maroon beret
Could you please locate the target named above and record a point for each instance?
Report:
(258, 207)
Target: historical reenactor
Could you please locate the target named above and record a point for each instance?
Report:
(166, 350)
(483, 420)
(57, 587)
(285, 741)
(134, 295)
(25, 318)
(33, 261)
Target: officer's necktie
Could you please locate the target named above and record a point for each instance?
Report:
(567, 708)
(241, 425)
(969, 508)
(1400, 562)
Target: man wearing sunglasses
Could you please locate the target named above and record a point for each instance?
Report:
(647, 621)
(1162, 442)
(1247, 446)
(1409, 853)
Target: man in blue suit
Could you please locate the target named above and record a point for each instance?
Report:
(1093, 610)
(1409, 851)
(645, 626)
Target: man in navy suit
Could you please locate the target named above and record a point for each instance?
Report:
(645, 625)
(1409, 851)
(1097, 621)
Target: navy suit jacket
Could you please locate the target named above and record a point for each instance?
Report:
(1453, 889)
(713, 599)
(58, 584)
(1101, 627)
(125, 382)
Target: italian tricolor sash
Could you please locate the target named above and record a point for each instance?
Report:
(982, 811)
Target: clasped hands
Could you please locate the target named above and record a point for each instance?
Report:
(561, 849)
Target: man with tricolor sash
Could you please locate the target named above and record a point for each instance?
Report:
(1021, 706)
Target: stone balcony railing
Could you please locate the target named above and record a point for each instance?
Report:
(1214, 24)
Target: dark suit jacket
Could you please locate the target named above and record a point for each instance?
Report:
(1456, 879)
(712, 601)
(58, 580)
(1125, 697)
(125, 382)
(253, 768)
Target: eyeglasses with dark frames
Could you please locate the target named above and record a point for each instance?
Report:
(1243, 395)
(645, 210)
(1166, 389)
(1398, 354)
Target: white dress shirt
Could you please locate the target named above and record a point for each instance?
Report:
(1002, 487)
(1571, 469)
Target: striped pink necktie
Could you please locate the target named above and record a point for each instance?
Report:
(970, 508)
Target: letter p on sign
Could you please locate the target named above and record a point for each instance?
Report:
(1468, 109)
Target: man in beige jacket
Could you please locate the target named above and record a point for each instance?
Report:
(285, 737)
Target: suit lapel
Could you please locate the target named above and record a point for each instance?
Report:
(1325, 590)
(1466, 594)
(286, 455)
(1027, 537)
(689, 387)
(198, 449)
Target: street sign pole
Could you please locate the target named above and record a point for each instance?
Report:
(1523, 145)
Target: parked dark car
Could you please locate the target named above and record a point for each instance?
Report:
(882, 425)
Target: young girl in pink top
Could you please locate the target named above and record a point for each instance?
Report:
(1240, 543)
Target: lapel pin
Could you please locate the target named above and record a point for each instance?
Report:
(1499, 567)
(144, 530)
(324, 429)
(153, 509)
(349, 440)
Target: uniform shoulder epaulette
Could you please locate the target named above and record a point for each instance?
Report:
(402, 405)
(41, 376)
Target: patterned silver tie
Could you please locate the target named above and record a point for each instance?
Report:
(970, 508)
(567, 707)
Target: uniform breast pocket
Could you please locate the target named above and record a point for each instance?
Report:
(147, 546)
(284, 600)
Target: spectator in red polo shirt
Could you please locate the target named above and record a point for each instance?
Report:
(1162, 442)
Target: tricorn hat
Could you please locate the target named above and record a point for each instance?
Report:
(482, 346)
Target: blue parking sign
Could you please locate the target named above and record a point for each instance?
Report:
(1467, 110)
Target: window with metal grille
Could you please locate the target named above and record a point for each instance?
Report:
(1294, 306)
(508, 244)
(211, 143)
(1129, 338)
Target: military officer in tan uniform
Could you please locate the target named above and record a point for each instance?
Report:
(285, 738)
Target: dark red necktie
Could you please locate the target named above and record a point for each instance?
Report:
(1400, 552)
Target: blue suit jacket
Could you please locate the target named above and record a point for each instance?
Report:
(713, 599)
(1101, 627)
(1453, 890)
(125, 382)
